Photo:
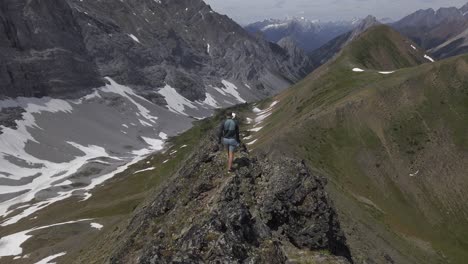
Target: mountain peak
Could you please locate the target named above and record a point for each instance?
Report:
(383, 48)
(366, 23)
(464, 9)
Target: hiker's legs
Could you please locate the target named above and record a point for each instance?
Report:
(230, 158)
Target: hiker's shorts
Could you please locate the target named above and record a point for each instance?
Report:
(231, 143)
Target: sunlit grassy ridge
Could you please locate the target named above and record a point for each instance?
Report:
(394, 146)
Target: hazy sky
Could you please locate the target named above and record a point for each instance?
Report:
(245, 11)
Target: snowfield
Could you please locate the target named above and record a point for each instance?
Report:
(47, 157)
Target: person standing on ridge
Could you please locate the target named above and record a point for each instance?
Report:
(229, 135)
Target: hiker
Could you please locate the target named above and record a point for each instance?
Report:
(229, 135)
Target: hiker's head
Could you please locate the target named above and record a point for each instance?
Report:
(230, 115)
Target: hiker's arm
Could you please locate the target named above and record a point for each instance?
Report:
(237, 133)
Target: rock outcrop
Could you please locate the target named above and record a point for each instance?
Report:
(271, 210)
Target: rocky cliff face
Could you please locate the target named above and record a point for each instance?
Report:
(60, 48)
(42, 50)
(271, 210)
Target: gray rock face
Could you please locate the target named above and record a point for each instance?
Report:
(9, 115)
(297, 56)
(271, 210)
(62, 48)
(430, 28)
(42, 50)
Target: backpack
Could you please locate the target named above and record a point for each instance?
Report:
(229, 129)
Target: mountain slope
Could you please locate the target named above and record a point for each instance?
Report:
(146, 44)
(237, 217)
(452, 47)
(334, 46)
(382, 48)
(88, 88)
(430, 28)
(394, 147)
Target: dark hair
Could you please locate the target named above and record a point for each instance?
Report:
(229, 114)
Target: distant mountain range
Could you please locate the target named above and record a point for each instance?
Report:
(442, 32)
(309, 34)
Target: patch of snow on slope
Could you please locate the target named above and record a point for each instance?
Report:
(251, 143)
(134, 38)
(413, 47)
(143, 170)
(230, 89)
(129, 94)
(256, 129)
(163, 135)
(357, 70)
(50, 258)
(429, 58)
(209, 100)
(96, 225)
(208, 48)
(175, 101)
(386, 72)
(256, 110)
(275, 26)
(11, 244)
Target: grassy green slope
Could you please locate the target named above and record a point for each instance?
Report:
(395, 147)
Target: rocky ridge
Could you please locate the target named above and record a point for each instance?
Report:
(271, 210)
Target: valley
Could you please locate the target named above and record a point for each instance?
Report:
(354, 136)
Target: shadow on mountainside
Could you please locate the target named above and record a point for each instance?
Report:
(270, 210)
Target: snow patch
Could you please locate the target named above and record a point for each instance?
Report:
(50, 258)
(230, 89)
(209, 100)
(11, 244)
(251, 143)
(386, 72)
(357, 70)
(256, 129)
(143, 170)
(129, 94)
(175, 101)
(134, 38)
(414, 47)
(163, 135)
(96, 225)
(429, 58)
